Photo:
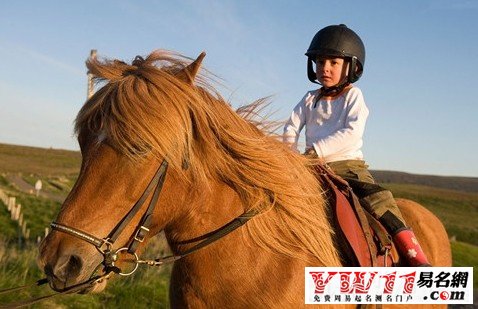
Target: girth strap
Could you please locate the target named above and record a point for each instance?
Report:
(385, 241)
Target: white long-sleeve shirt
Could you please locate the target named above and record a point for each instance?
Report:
(334, 128)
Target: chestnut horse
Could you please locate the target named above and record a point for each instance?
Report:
(221, 165)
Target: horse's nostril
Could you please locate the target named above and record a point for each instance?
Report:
(48, 270)
(67, 268)
(65, 273)
(74, 265)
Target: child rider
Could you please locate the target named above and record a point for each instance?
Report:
(334, 117)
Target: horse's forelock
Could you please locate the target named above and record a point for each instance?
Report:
(134, 101)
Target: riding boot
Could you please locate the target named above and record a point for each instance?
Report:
(409, 248)
(404, 239)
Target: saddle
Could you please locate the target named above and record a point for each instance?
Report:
(362, 239)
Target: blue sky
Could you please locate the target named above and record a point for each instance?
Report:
(419, 79)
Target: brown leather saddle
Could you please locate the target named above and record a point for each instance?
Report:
(362, 239)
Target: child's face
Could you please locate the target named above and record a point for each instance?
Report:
(330, 71)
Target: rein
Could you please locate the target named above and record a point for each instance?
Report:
(72, 289)
(110, 256)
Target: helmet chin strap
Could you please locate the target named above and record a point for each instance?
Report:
(331, 91)
(334, 90)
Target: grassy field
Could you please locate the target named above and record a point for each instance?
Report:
(148, 288)
(466, 255)
(41, 161)
(457, 210)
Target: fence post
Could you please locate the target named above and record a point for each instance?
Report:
(11, 203)
(38, 186)
(91, 87)
(16, 215)
(13, 211)
(4, 198)
(24, 228)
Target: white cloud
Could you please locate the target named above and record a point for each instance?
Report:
(15, 49)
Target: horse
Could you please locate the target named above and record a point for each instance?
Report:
(157, 124)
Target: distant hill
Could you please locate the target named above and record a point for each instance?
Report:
(49, 161)
(464, 184)
(41, 161)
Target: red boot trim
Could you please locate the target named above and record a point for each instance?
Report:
(409, 248)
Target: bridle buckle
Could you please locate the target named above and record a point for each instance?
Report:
(105, 246)
(141, 233)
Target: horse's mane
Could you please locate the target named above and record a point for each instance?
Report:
(146, 107)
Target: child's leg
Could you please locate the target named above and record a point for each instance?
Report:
(381, 204)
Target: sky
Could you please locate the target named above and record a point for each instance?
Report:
(419, 78)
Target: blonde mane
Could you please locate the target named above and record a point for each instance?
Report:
(148, 107)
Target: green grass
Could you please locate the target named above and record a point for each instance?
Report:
(40, 161)
(55, 184)
(457, 210)
(39, 212)
(147, 288)
(466, 255)
(3, 181)
(8, 227)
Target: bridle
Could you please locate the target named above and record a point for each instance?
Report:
(111, 256)
(104, 245)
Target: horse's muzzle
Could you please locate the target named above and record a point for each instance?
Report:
(64, 272)
(65, 268)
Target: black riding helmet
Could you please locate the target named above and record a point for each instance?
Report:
(338, 41)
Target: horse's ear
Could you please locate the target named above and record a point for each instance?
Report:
(189, 73)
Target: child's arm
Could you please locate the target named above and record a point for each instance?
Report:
(294, 125)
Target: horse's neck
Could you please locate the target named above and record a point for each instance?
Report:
(204, 211)
(234, 264)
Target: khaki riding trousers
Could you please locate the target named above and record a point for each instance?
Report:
(374, 198)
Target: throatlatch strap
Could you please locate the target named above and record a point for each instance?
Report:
(211, 237)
